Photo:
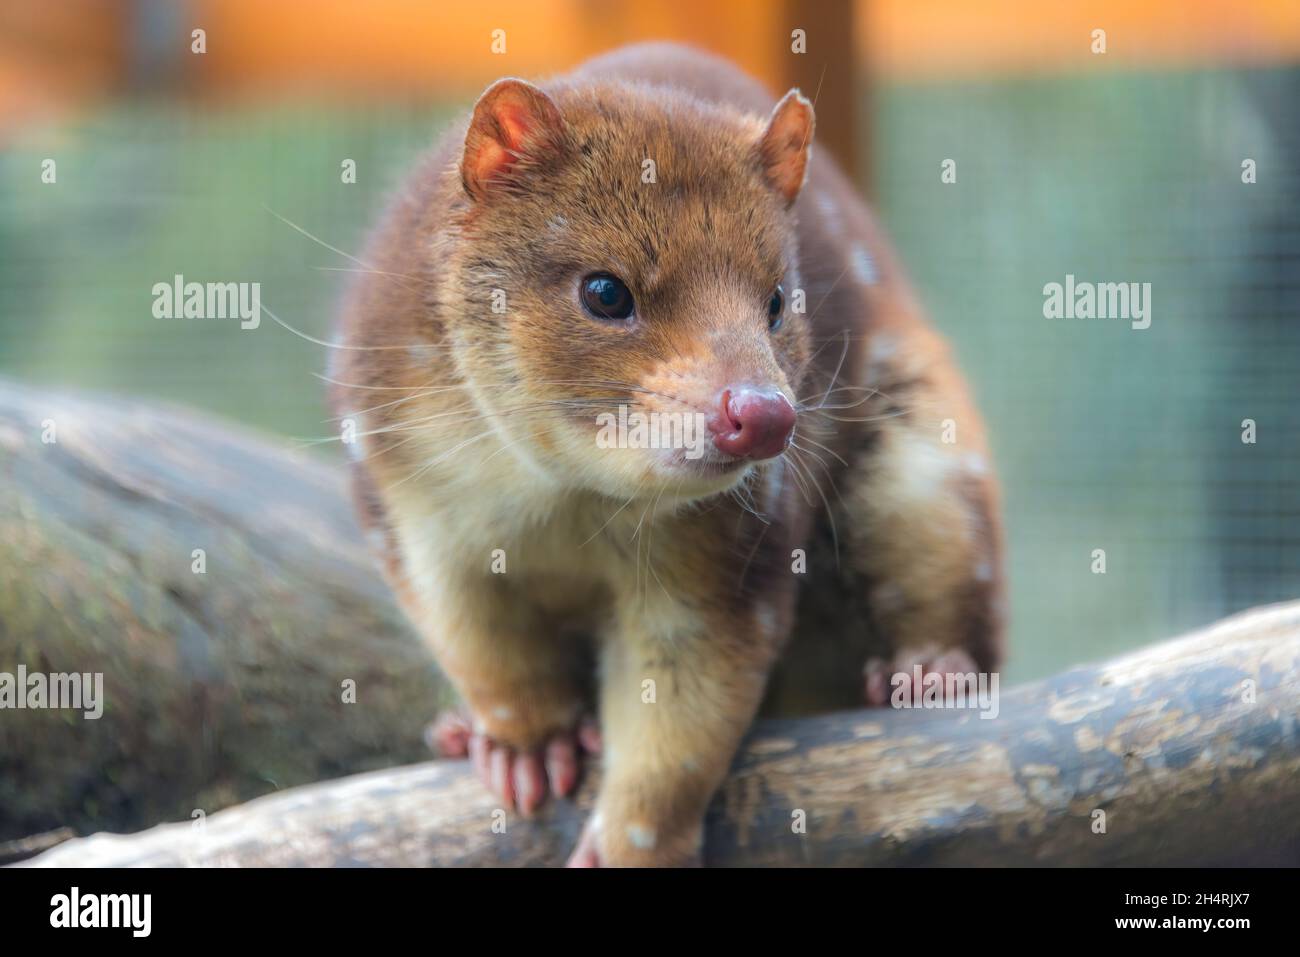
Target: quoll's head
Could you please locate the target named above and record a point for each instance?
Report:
(627, 282)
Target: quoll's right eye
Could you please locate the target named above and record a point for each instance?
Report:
(606, 296)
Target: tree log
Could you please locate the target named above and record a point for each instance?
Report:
(222, 681)
(1184, 753)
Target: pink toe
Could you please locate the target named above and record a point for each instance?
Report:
(953, 663)
(876, 685)
(530, 782)
(589, 736)
(502, 786)
(585, 854)
(449, 735)
(561, 765)
(479, 755)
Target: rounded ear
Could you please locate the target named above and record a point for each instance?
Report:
(784, 146)
(512, 120)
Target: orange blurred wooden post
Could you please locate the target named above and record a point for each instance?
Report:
(827, 73)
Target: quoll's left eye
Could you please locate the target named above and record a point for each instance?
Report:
(606, 296)
(776, 309)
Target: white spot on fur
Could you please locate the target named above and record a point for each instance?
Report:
(775, 480)
(883, 348)
(422, 354)
(830, 214)
(863, 266)
(984, 572)
(641, 837)
(975, 463)
(924, 465)
(503, 712)
(766, 615)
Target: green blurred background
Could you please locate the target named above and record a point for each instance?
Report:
(1105, 437)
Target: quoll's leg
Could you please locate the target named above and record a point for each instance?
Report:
(674, 706)
(521, 684)
(925, 538)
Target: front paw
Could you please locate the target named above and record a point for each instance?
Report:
(882, 677)
(519, 776)
(635, 844)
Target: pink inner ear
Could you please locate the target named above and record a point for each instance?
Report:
(490, 158)
(786, 164)
(498, 153)
(785, 149)
(515, 123)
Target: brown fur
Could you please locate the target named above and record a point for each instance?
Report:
(477, 432)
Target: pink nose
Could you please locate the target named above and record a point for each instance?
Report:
(753, 423)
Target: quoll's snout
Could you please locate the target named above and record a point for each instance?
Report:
(752, 423)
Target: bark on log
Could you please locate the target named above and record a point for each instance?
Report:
(220, 686)
(1190, 748)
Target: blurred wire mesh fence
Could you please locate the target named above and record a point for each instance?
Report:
(1106, 437)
